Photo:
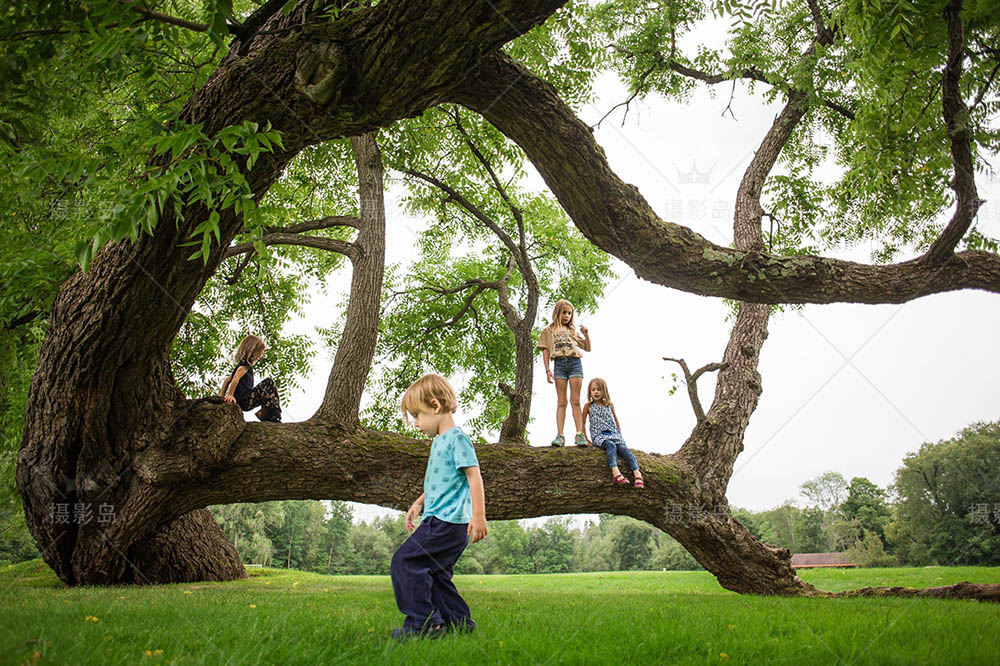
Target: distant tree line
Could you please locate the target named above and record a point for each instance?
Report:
(943, 508)
(320, 537)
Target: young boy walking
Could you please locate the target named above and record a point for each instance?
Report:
(454, 509)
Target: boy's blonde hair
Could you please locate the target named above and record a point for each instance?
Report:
(251, 348)
(556, 322)
(427, 388)
(599, 383)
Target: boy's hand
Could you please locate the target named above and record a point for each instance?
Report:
(477, 528)
(413, 514)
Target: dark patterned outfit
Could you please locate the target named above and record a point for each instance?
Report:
(249, 396)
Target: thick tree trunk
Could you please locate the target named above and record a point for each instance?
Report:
(106, 428)
(103, 393)
(190, 548)
(314, 460)
(357, 343)
(516, 423)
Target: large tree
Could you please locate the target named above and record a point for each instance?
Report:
(105, 422)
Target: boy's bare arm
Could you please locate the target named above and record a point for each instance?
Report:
(477, 526)
(414, 512)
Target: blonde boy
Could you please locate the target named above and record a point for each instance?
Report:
(454, 509)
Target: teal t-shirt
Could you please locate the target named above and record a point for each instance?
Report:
(446, 490)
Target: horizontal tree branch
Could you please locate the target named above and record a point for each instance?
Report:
(171, 20)
(317, 242)
(315, 225)
(444, 291)
(219, 459)
(304, 461)
(754, 74)
(287, 236)
(22, 319)
(748, 73)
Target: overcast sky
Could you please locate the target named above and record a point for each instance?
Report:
(849, 388)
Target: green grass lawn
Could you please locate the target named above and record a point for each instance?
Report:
(289, 617)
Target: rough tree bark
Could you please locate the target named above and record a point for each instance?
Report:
(615, 217)
(103, 393)
(346, 384)
(105, 425)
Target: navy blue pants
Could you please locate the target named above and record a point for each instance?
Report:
(421, 576)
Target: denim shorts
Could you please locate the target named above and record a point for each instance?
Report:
(567, 367)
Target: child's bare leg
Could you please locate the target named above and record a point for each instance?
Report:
(575, 384)
(560, 405)
(615, 472)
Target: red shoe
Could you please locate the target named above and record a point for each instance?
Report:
(620, 480)
(638, 483)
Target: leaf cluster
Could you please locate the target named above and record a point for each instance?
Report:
(873, 116)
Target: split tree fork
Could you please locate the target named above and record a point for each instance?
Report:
(106, 424)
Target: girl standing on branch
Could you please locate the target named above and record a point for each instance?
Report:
(239, 387)
(561, 343)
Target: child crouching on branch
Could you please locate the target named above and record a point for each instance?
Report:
(239, 386)
(454, 510)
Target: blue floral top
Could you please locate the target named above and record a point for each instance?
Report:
(602, 424)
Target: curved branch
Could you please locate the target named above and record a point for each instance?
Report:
(472, 209)
(461, 311)
(748, 212)
(286, 236)
(170, 20)
(327, 222)
(522, 256)
(616, 218)
(318, 242)
(753, 74)
(956, 115)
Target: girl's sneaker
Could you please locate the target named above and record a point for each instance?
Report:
(559, 440)
(581, 439)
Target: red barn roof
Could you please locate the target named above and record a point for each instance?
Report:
(800, 560)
